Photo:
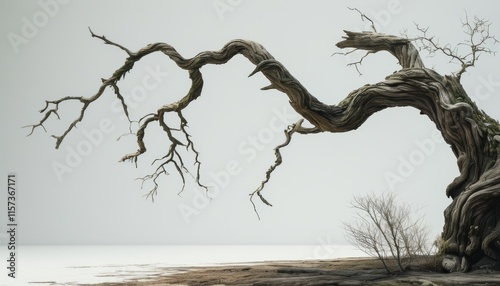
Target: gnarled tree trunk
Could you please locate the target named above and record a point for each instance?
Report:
(472, 221)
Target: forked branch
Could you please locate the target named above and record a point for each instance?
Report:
(294, 128)
(467, 52)
(280, 78)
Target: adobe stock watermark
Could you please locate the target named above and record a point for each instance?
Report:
(383, 17)
(75, 155)
(222, 7)
(248, 149)
(486, 88)
(139, 93)
(31, 26)
(416, 158)
(326, 248)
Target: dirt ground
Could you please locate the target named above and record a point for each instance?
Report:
(357, 271)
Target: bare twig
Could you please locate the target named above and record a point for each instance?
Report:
(108, 42)
(297, 127)
(360, 61)
(363, 17)
(478, 37)
(110, 82)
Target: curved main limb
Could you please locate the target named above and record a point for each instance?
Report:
(348, 115)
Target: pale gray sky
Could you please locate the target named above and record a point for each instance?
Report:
(47, 53)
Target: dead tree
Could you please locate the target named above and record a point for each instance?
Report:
(385, 228)
(472, 221)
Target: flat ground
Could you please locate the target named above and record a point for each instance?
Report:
(357, 271)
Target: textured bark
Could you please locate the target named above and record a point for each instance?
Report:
(472, 228)
(472, 221)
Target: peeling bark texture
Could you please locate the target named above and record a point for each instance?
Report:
(472, 221)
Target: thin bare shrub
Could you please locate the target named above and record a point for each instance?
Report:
(388, 230)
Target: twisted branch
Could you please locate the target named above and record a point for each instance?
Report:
(297, 127)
